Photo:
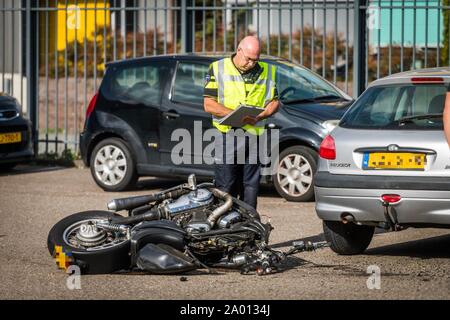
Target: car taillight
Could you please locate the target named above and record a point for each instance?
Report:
(91, 105)
(391, 198)
(327, 148)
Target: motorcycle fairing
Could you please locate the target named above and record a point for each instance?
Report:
(156, 232)
(162, 258)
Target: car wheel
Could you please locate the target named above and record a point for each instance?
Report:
(347, 239)
(294, 179)
(113, 166)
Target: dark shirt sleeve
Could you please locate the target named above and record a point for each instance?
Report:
(211, 88)
(275, 96)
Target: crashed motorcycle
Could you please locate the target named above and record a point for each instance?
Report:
(187, 227)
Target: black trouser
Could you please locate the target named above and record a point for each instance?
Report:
(237, 177)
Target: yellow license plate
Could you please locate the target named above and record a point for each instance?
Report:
(394, 161)
(12, 137)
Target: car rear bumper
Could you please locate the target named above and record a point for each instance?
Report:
(85, 139)
(415, 206)
(327, 180)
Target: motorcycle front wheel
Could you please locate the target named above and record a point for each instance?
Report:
(75, 240)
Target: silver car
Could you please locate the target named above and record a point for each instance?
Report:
(387, 163)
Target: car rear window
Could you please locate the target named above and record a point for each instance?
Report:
(137, 84)
(397, 107)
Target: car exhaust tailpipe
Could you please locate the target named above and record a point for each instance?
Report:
(347, 218)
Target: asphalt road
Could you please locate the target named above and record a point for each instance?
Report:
(414, 263)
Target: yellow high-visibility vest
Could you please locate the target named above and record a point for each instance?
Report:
(232, 90)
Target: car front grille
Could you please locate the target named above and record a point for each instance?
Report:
(8, 114)
(12, 147)
(17, 128)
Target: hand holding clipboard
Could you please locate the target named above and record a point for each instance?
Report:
(241, 116)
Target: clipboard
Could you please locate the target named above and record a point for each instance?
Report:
(234, 119)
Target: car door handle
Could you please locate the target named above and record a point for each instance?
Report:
(170, 115)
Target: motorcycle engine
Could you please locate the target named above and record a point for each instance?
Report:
(198, 223)
(192, 210)
(193, 200)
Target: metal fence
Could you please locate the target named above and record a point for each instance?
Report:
(53, 52)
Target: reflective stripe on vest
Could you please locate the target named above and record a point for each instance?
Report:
(232, 90)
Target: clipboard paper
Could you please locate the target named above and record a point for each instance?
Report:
(234, 119)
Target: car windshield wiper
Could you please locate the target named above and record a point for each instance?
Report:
(298, 101)
(315, 99)
(329, 97)
(419, 117)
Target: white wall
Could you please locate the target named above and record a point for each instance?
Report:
(12, 80)
(11, 84)
(160, 16)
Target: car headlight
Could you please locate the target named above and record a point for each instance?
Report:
(329, 125)
(18, 108)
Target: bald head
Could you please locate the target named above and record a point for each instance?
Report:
(247, 54)
(251, 45)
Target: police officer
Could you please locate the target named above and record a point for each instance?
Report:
(235, 80)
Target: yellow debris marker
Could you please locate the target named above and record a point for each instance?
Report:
(63, 259)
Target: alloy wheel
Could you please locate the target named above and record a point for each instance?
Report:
(294, 175)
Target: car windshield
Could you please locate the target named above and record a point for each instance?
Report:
(297, 84)
(397, 107)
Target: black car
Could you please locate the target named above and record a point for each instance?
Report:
(15, 134)
(130, 121)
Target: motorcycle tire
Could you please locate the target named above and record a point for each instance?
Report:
(99, 261)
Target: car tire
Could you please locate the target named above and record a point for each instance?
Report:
(113, 166)
(100, 261)
(296, 183)
(347, 239)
